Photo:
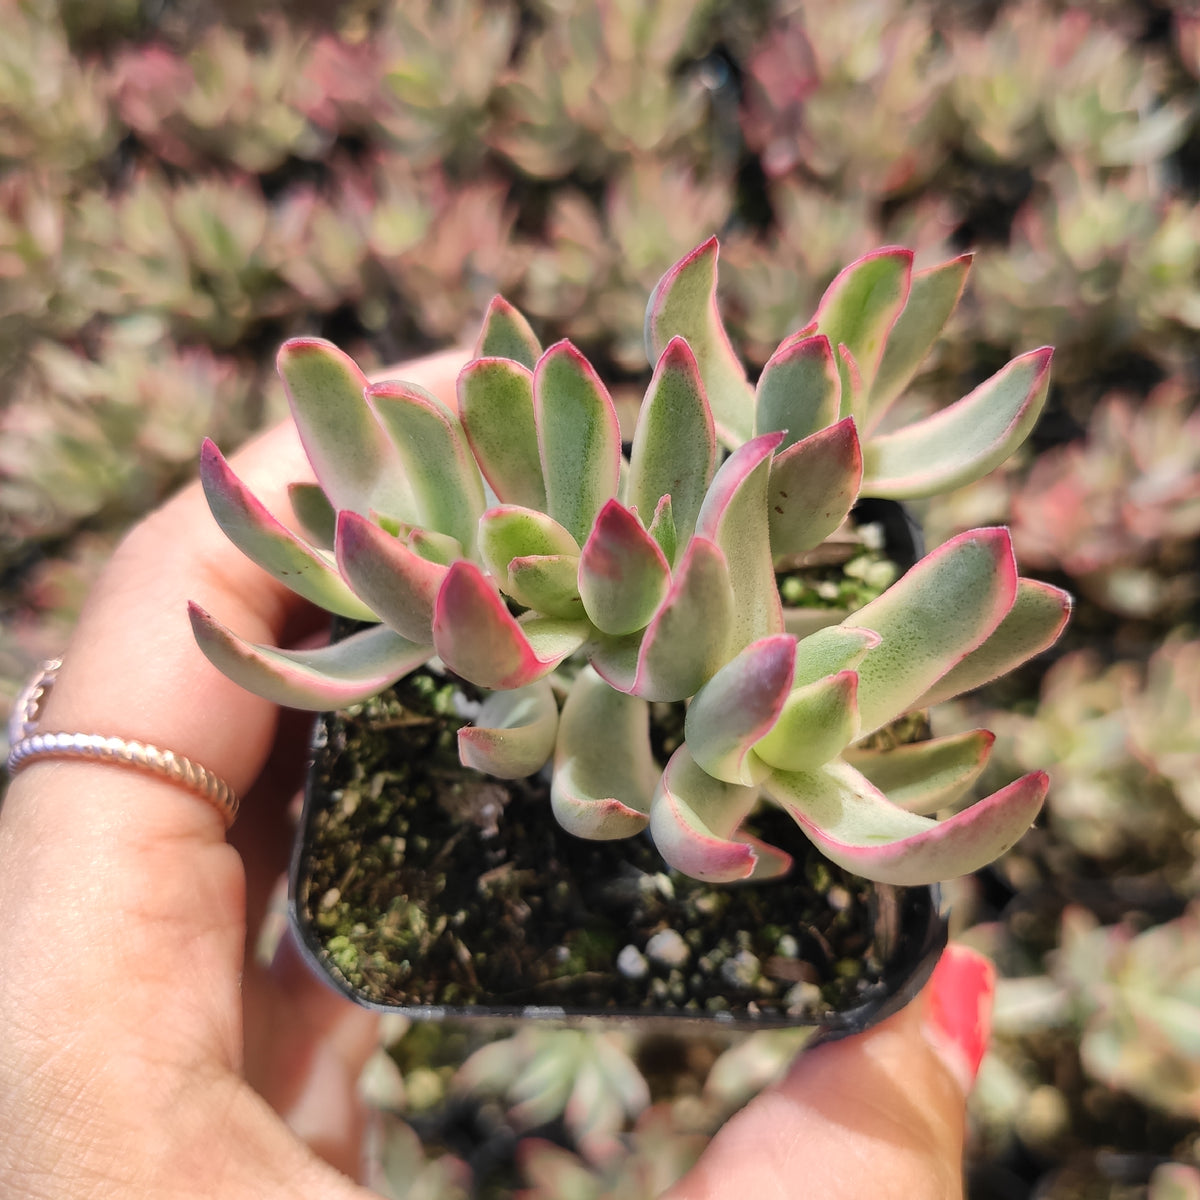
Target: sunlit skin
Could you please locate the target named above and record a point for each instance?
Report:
(146, 1054)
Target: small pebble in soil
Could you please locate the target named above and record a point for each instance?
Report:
(742, 970)
(631, 962)
(668, 948)
(804, 997)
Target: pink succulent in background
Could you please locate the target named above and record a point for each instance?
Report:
(1116, 510)
(512, 541)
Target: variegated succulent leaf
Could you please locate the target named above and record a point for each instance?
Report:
(856, 826)
(684, 305)
(695, 821)
(356, 463)
(858, 311)
(674, 451)
(604, 771)
(514, 732)
(507, 334)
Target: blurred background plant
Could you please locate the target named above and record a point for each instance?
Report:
(185, 183)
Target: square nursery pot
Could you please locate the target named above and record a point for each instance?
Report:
(425, 888)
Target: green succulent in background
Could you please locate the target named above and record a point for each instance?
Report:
(53, 106)
(405, 1171)
(1113, 1004)
(850, 95)
(599, 83)
(623, 583)
(441, 66)
(84, 438)
(1137, 999)
(230, 98)
(660, 1152)
(582, 1076)
(1110, 733)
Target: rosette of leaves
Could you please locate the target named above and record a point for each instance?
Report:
(1137, 996)
(581, 1076)
(513, 541)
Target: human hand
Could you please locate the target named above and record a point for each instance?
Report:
(143, 1051)
(871, 1117)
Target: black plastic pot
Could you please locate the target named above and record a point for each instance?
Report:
(421, 887)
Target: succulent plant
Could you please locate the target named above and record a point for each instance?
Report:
(626, 582)
(659, 1153)
(227, 100)
(405, 1171)
(593, 86)
(1137, 997)
(1117, 510)
(583, 1076)
(848, 93)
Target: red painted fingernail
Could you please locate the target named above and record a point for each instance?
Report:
(958, 1011)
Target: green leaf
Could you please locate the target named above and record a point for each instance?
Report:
(931, 618)
(799, 391)
(546, 583)
(495, 404)
(534, 559)
(355, 461)
(817, 722)
(513, 733)
(662, 529)
(688, 640)
(858, 311)
(509, 531)
(734, 516)
(674, 449)
(738, 706)
(813, 485)
(507, 334)
(830, 650)
(346, 672)
(854, 825)
(684, 304)
(316, 516)
(1038, 616)
(695, 819)
(434, 547)
(623, 575)
(579, 438)
(258, 535)
(446, 483)
(604, 772)
(925, 776)
(934, 294)
(965, 441)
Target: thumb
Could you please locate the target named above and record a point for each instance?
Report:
(878, 1115)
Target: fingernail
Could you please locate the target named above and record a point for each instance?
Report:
(958, 1011)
